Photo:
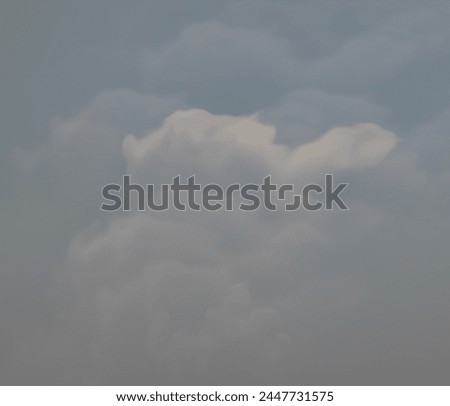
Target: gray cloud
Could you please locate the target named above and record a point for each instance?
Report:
(231, 94)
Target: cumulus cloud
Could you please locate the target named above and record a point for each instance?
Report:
(220, 142)
(166, 297)
(384, 49)
(211, 55)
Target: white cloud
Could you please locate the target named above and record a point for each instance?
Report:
(166, 293)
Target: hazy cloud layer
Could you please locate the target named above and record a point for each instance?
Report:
(231, 94)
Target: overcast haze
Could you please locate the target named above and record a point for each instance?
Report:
(230, 91)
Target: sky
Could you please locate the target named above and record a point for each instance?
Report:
(230, 91)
